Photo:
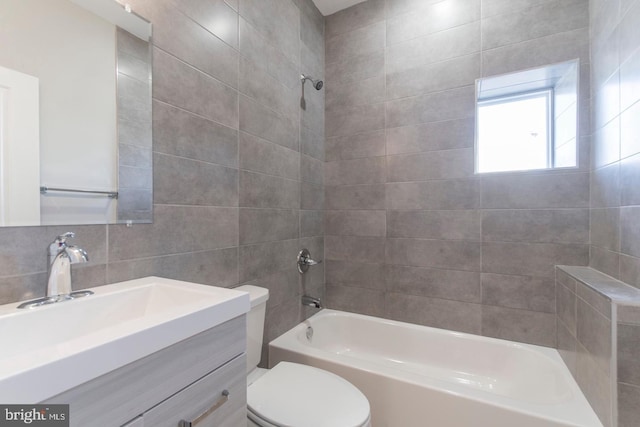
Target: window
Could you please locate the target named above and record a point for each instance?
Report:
(514, 132)
(527, 120)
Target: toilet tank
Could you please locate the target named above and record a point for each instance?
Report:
(255, 323)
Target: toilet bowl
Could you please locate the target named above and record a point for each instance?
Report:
(292, 394)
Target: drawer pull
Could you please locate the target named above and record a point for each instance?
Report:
(205, 414)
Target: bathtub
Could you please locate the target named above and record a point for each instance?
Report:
(416, 376)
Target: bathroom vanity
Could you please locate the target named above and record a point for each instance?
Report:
(178, 383)
(146, 352)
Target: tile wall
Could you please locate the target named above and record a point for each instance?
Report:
(615, 50)
(411, 233)
(238, 166)
(599, 339)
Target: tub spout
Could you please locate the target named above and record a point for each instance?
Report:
(311, 302)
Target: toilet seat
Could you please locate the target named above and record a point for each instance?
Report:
(295, 395)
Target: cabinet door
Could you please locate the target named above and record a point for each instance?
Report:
(206, 394)
(121, 395)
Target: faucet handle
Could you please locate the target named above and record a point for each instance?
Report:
(60, 242)
(63, 237)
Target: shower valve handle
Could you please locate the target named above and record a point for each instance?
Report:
(305, 261)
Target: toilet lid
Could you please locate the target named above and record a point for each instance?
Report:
(294, 395)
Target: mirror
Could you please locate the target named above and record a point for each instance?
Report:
(75, 113)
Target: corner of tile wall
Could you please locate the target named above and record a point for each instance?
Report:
(598, 336)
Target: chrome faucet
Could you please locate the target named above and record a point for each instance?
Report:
(60, 256)
(311, 301)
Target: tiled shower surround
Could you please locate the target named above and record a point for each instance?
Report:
(385, 190)
(237, 164)
(411, 233)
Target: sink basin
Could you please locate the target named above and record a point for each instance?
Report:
(50, 349)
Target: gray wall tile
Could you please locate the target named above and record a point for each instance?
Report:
(437, 76)
(434, 283)
(446, 225)
(594, 333)
(519, 325)
(266, 90)
(535, 191)
(266, 191)
(628, 399)
(358, 274)
(630, 230)
(202, 228)
(311, 223)
(628, 339)
(357, 171)
(550, 49)
(265, 225)
(438, 313)
(278, 21)
(267, 124)
(436, 47)
(522, 292)
(531, 259)
(595, 384)
(178, 84)
(446, 164)
(548, 18)
(254, 46)
(446, 194)
(356, 146)
(445, 135)
(356, 68)
(264, 259)
(605, 224)
(179, 133)
(447, 105)
(365, 249)
(363, 41)
(539, 226)
(216, 16)
(213, 267)
(345, 121)
(260, 155)
(430, 19)
(447, 254)
(355, 196)
(353, 299)
(355, 223)
(360, 15)
(180, 36)
(181, 181)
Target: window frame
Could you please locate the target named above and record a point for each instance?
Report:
(548, 94)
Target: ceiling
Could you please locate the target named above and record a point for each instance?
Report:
(328, 7)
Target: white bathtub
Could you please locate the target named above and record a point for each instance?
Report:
(416, 376)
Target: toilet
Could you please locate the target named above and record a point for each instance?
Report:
(291, 394)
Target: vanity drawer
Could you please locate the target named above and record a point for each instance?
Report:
(206, 394)
(118, 396)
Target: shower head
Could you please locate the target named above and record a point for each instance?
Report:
(317, 84)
